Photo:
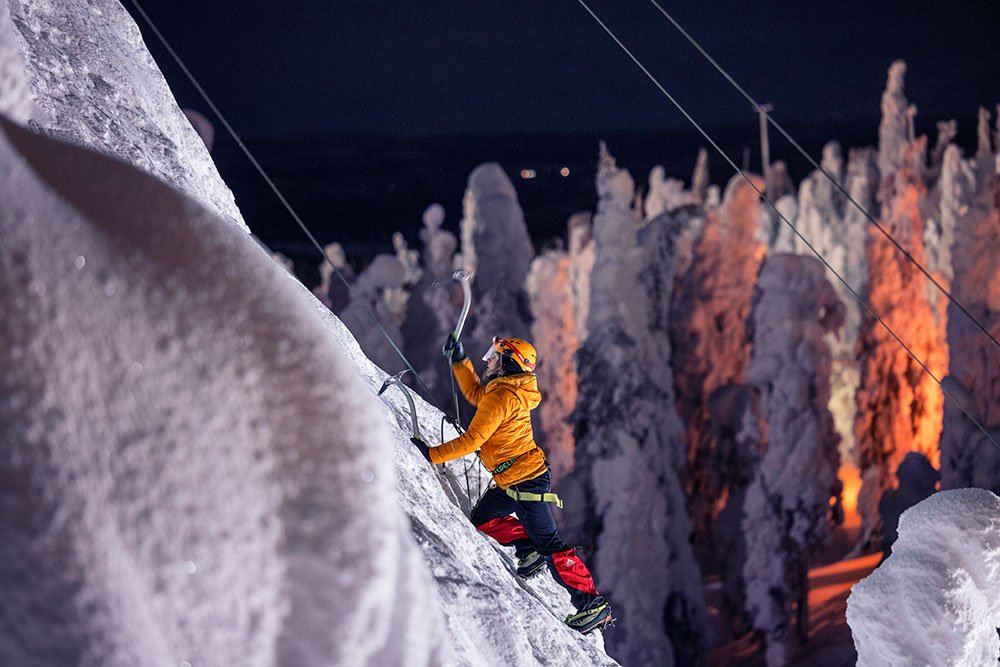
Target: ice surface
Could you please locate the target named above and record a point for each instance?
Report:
(193, 470)
(93, 83)
(936, 599)
(15, 99)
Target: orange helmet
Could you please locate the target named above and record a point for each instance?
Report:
(520, 351)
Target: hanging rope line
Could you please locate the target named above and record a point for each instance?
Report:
(770, 205)
(760, 109)
(280, 196)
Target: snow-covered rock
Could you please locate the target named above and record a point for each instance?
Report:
(936, 599)
(93, 83)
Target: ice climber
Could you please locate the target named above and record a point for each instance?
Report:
(501, 432)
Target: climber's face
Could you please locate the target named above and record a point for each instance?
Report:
(493, 365)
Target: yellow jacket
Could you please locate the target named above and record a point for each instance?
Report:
(501, 427)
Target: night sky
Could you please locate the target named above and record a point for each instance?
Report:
(524, 66)
(348, 105)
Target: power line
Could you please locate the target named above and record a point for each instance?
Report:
(278, 194)
(784, 219)
(760, 109)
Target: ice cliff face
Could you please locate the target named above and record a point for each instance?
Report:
(93, 83)
(936, 599)
(195, 466)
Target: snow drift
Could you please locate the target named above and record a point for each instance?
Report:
(195, 467)
(936, 599)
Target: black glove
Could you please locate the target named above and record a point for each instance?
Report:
(453, 350)
(422, 446)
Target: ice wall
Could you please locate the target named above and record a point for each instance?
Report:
(708, 332)
(936, 600)
(787, 510)
(187, 446)
(93, 83)
(198, 469)
(625, 499)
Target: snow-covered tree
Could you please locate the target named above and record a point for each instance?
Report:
(379, 291)
(331, 290)
(734, 410)
(496, 247)
(968, 458)
(556, 337)
(624, 497)
(898, 404)
(432, 310)
(936, 599)
(708, 333)
(787, 511)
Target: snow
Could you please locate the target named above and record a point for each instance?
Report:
(936, 599)
(197, 469)
(93, 83)
(788, 503)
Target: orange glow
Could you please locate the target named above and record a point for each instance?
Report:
(850, 476)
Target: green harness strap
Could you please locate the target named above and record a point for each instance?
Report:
(535, 497)
(503, 466)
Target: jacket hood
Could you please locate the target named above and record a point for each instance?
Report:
(524, 385)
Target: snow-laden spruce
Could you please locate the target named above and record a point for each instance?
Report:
(787, 506)
(707, 326)
(936, 599)
(972, 192)
(497, 248)
(625, 490)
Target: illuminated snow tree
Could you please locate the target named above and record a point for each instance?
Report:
(787, 511)
(899, 405)
(708, 334)
(624, 497)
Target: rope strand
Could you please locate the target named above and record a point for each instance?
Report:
(274, 188)
(786, 221)
(828, 175)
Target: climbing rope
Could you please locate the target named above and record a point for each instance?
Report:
(827, 174)
(770, 205)
(274, 188)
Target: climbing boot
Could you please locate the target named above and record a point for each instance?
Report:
(530, 564)
(594, 615)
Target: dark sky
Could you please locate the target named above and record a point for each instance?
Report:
(525, 66)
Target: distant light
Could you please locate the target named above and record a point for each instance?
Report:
(80, 262)
(528, 173)
(564, 172)
(190, 567)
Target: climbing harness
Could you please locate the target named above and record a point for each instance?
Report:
(535, 497)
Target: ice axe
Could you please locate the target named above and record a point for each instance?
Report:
(397, 380)
(464, 277)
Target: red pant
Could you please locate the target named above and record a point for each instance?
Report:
(534, 529)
